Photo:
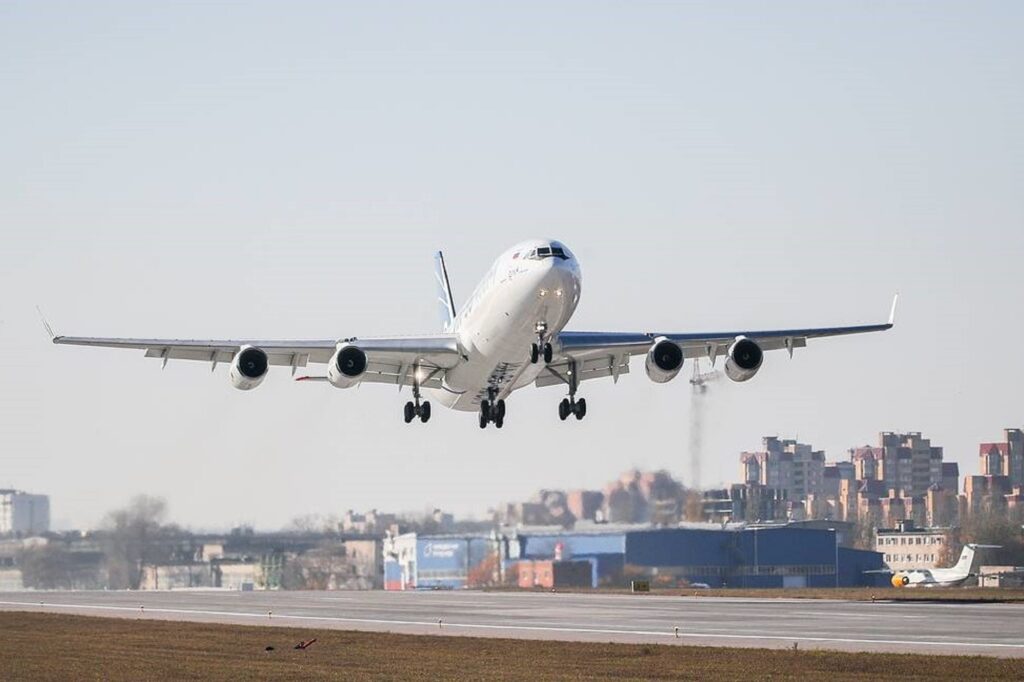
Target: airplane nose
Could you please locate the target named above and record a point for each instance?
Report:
(557, 279)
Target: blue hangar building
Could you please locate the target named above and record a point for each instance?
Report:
(750, 557)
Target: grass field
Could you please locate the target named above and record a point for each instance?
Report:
(36, 646)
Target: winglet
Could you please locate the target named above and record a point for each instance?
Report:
(46, 325)
(892, 311)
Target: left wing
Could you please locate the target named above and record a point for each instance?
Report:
(601, 354)
(389, 360)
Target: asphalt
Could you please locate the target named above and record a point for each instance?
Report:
(928, 628)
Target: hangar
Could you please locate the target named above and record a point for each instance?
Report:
(780, 555)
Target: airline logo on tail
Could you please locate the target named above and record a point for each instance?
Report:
(445, 301)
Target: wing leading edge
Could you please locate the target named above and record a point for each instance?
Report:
(612, 350)
(390, 360)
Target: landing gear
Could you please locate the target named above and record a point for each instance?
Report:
(492, 411)
(542, 347)
(536, 350)
(414, 408)
(572, 406)
(417, 409)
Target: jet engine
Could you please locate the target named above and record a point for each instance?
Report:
(900, 580)
(664, 361)
(249, 368)
(745, 358)
(347, 366)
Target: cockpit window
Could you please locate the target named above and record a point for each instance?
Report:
(546, 252)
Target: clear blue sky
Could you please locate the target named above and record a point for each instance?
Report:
(286, 169)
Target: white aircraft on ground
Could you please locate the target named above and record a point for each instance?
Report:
(508, 335)
(938, 577)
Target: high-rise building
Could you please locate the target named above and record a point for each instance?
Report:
(23, 514)
(904, 462)
(785, 465)
(1005, 458)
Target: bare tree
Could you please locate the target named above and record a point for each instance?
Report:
(134, 537)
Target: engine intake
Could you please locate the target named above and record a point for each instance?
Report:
(249, 368)
(347, 367)
(745, 358)
(664, 361)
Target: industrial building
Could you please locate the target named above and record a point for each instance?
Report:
(907, 546)
(720, 556)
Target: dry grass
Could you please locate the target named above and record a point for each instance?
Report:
(50, 646)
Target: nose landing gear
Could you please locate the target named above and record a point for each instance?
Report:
(542, 347)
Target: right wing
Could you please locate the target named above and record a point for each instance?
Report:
(602, 354)
(389, 360)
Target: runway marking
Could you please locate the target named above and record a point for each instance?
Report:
(537, 628)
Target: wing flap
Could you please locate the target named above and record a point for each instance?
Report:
(593, 368)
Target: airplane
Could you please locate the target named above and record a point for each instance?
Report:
(510, 333)
(938, 577)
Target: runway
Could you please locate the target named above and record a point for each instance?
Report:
(929, 628)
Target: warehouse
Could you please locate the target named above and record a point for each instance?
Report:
(439, 562)
(731, 556)
(751, 557)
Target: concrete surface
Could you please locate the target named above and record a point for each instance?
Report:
(929, 628)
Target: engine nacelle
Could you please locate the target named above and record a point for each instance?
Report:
(347, 366)
(899, 580)
(664, 360)
(745, 358)
(249, 368)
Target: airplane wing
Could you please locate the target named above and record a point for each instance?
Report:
(389, 360)
(601, 354)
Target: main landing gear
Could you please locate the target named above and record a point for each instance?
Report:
(417, 409)
(572, 406)
(414, 408)
(492, 411)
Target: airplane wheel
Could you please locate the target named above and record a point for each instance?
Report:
(483, 421)
(485, 410)
(499, 421)
(581, 408)
(547, 353)
(425, 412)
(534, 354)
(500, 411)
(410, 412)
(563, 409)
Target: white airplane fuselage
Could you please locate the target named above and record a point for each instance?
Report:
(518, 300)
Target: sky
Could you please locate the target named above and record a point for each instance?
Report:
(286, 170)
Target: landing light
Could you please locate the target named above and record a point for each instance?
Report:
(543, 292)
(558, 293)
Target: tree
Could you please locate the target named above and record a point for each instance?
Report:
(46, 567)
(134, 537)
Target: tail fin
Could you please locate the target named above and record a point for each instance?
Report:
(966, 559)
(445, 301)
